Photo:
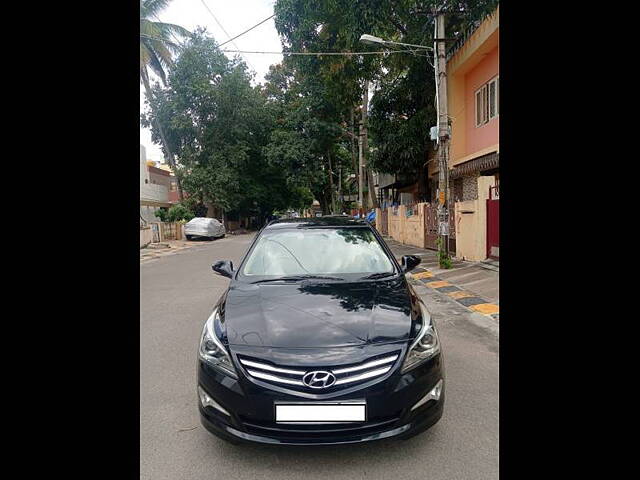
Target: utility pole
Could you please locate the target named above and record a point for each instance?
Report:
(360, 166)
(331, 188)
(443, 136)
(365, 149)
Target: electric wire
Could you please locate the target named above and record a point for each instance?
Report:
(225, 32)
(246, 31)
(377, 52)
(381, 52)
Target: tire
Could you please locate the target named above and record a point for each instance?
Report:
(189, 237)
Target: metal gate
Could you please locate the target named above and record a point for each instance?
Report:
(493, 223)
(431, 227)
(155, 229)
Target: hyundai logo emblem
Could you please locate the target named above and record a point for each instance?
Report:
(319, 379)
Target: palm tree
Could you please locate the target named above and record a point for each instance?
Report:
(157, 46)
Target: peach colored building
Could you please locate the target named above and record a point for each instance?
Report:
(473, 76)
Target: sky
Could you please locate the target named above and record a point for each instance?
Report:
(235, 16)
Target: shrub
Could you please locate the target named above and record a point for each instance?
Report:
(443, 258)
(178, 213)
(162, 214)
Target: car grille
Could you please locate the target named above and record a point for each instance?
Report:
(316, 432)
(345, 375)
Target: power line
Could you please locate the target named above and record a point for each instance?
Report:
(381, 52)
(216, 20)
(248, 30)
(222, 28)
(347, 54)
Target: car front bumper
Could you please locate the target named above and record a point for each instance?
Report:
(365, 433)
(389, 407)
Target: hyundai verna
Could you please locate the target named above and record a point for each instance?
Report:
(319, 339)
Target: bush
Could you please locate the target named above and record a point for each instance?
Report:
(443, 259)
(176, 213)
(162, 214)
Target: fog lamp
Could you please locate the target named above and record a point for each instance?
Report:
(434, 394)
(207, 401)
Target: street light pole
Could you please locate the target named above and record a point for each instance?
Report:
(443, 138)
(443, 127)
(360, 165)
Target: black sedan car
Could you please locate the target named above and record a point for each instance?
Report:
(319, 339)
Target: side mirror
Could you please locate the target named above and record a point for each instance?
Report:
(409, 262)
(223, 267)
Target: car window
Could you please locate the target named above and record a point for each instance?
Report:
(317, 252)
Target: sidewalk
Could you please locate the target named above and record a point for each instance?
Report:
(168, 247)
(472, 284)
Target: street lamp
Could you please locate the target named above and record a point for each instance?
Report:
(372, 40)
(440, 66)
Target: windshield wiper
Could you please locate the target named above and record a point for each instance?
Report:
(378, 275)
(293, 278)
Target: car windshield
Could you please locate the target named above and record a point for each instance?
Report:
(317, 252)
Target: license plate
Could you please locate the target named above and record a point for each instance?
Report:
(321, 412)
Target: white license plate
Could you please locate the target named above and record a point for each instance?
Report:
(350, 412)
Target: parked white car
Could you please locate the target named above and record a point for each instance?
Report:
(202, 227)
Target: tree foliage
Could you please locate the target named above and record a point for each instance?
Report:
(403, 104)
(279, 145)
(175, 213)
(157, 40)
(305, 142)
(218, 126)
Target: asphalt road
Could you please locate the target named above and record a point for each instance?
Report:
(177, 293)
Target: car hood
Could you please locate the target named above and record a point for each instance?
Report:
(317, 315)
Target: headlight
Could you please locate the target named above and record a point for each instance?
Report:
(211, 349)
(425, 345)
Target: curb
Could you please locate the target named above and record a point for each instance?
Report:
(469, 300)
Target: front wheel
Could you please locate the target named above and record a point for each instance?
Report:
(189, 237)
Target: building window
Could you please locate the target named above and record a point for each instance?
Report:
(487, 98)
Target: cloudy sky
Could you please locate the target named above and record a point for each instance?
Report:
(235, 16)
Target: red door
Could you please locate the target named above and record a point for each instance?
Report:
(493, 227)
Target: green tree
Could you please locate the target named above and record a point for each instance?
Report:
(157, 47)
(306, 139)
(403, 100)
(218, 125)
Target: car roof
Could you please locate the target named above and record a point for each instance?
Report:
(310, 222)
